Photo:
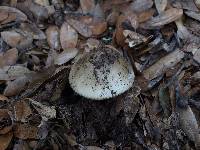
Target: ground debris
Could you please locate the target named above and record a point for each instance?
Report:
(43, 46)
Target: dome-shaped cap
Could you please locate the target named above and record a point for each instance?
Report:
(101, 74)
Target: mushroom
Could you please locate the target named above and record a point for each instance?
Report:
(101, 74)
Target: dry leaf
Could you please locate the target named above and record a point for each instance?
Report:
(53, 37)
(15, 87)
(21, 145)
(112, 18)
(46, 112)
(132, 18)
(25, 131)
(5, 140)
(141, 5)
(9, 57)
(68, 36)
(164, 18)
(20, 16)
(98, 27)
(161, 65)
(91, 44)
(22, 111)
(197, 2)
(10, 18)
(183, 33)
(187, 5)
(13, 72)
(5, 121)
(71, 139)
(16, 39)
(98, 13)
(197, 56)
(42, 2)
(65, 56)
(33, 30)
(39, 12)
(93, 148)
(119, 37)
(3, 15)
(3, 98)
(160, 5)
(193, 14)
(131, 106)
(189, 124)
(80, 27)
(133, 38)
(145, 15)
(111, 145)
(87, 6)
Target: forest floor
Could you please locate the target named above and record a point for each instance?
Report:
(41, 40)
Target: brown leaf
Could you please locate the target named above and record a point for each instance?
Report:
(80, 27)
(68, 36)
(5, 121)
(187, 5)
(112, 18)
(53, 37)
(131, 105)
(32, 30)
(161, 65)
(16, 86)
(16, 39)
(93, 148)
(3, 15)
(22, 111)
(145, 15)
(46, 112)
(133, 38)
(141, 5)
(13, 72)
(193, 14)
(71, 139)
(183, 33)
(98, 13)
(42, 2)
(98, 27)
(87, 6)
(197, 2)
(164, 18)
(21, 145)
(91, 44)
(39, 12)
(5, 140)
(25, 131)
(160, 5)
(132, 18)
(197, 56)
(20, 16)
(11, 18)
(119, 36)
(3, 98)
(9, 57)
(65, 56)
(189, 124)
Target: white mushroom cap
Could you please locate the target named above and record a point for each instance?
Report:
(101, 74)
